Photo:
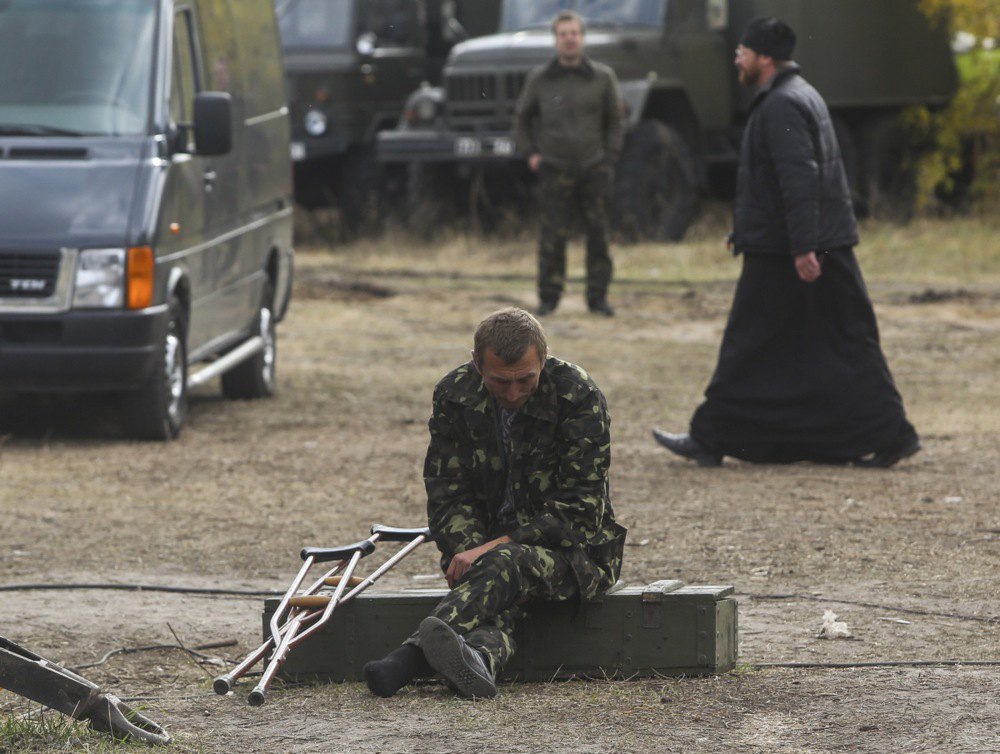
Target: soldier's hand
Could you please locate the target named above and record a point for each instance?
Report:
(463, 561)
(535, 162)
(808, 267)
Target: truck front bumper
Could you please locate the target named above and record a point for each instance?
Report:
(80, 350)
(431, 145)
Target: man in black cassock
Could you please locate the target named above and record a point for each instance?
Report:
(801, 374)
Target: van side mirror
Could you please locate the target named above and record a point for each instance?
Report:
(213, 123)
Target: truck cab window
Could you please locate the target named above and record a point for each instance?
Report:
(314, 23)
(393, 22)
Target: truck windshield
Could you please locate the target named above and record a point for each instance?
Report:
(80, 67)
(527, 14)
(314, 23)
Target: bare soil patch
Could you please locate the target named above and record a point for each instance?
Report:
(907, 557)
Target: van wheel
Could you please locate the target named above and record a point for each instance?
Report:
(656, 194)
(157, 410)
(254, 378)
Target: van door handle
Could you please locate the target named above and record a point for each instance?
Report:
(209, 177)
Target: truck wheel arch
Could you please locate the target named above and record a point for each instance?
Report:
(657, 191)
(645, 100)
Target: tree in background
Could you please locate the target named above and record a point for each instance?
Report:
(964, 165)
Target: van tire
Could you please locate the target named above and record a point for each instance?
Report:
(255, 377)
(157, 410)
(656, 193)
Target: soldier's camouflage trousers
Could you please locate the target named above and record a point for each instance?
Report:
(566, 198)
(486, 604)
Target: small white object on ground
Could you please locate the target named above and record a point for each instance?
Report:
(833, 628)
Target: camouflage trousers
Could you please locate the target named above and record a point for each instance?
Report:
(487, 603)
(567, 198)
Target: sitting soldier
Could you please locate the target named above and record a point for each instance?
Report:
(517, 500)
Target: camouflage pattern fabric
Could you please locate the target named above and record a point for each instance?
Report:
(487, 603)
(568, 197)
(560, 455)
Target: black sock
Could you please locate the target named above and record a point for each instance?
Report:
(387, 676)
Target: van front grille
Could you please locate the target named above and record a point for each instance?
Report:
(28, 274)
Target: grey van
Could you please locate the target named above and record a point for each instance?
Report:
(145, 200)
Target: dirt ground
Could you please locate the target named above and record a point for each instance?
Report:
(906, 557)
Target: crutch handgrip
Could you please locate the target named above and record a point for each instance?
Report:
(392, 534)
(310, 601)
(326, 554)
(334, 580)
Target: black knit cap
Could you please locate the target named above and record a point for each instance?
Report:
(771, 37)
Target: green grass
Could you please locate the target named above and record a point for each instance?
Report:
(47, 732)
(959, 251)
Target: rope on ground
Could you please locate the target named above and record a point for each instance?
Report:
(890, 608)
(877, 664)
(142, 588)
(153, 647)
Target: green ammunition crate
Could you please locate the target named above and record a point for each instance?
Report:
(664, 628)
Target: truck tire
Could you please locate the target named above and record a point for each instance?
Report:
(255, 377)
(656, 193)
(430, 199)
(157, 410)
(359, 193)
(852, 164)
(888, 168)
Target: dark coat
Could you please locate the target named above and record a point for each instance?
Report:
(561, 451)
(792, 195)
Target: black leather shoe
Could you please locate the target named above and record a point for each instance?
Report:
(686, 446)
(546, 307)
(601, 307)
(462, 666)
(883, 459)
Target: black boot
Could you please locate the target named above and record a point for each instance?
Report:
(387, 676)
(462, 665)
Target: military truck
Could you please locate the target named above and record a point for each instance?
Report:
(684, 106)
(350, 65)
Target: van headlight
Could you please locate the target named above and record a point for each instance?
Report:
(100, 279)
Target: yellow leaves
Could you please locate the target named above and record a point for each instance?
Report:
(979, 17)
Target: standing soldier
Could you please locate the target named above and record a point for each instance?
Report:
(569, 123)
(801, 374)
(517, 501)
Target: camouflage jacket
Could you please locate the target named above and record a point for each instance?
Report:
(560, 454)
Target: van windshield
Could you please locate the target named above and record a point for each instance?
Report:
(314, 23)
(527, 14)
(81, 67)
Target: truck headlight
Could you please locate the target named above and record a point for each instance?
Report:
(315, 122)
(100, 279)
(423, 108)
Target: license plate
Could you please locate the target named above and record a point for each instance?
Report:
(467, 146)
(503, 146)
(298, 151)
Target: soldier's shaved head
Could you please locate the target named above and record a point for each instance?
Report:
(509, 333)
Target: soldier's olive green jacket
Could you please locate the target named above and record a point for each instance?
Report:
(561, 452)
(571, 116)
